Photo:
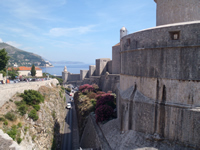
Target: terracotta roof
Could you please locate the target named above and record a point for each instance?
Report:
(117, 44)
(23, 68)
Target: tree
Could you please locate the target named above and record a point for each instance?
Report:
(33, 71)
(3, 59)
(13, 73)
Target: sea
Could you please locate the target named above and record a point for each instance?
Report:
(58, 68)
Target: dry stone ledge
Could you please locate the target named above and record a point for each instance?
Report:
(7, 142)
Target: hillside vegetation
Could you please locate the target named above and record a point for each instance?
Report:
(22, 58)
(35, 119)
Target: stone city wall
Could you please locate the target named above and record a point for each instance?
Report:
(159, 83)
(174, 11)
(101, 66)
(110, 66)
(84, 74)
(92, 136)
(92, 69)
(109, 82)
(152, 53)
(116, 59)
(171, 121)
(8, 90)
(74, 77)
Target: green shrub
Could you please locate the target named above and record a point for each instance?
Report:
(36, 107)
(59, 80)
(22, 109)
(64, 99)
(10, 100)
(33, 137)
(33, 115)
(19, 140)
(2, 119)
(68, 89)
(63, 89)
(94, 102)
(5, 123)
(25, 129)
(12, 132)
(19, 103)
(10, 116)
(19, 125)
(61, 94)
(32, 97)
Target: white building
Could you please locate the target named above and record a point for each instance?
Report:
(26, 71)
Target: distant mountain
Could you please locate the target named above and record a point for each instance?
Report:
(23, 58)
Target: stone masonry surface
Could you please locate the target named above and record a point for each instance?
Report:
(8, 90)
(173, 11)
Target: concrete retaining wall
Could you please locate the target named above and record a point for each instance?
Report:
(8, 90)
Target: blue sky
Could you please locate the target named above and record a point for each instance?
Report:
(72, 30)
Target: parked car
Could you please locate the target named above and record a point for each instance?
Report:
(69, 106)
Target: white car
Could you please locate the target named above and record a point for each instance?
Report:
(69, 106)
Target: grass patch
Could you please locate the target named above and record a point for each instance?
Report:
(10, 116)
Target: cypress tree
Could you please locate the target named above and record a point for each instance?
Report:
(33, 71)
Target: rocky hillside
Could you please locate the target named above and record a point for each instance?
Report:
(46, 132)
(23, 58)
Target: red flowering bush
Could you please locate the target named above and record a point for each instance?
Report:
(103, 112)
(92, 95)
(99, 94)
(106, 99)
(86, 88)
(95, 86)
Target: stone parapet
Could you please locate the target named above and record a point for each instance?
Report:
(8, 90)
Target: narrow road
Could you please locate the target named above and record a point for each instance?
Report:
(67, 137)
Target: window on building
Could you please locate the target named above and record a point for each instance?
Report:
(128, 41)
(175, 35)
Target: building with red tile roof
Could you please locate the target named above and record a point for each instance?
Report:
(26, 71)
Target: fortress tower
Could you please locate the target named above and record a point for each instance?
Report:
(65, 74)
(123, 32)
(174, 11)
